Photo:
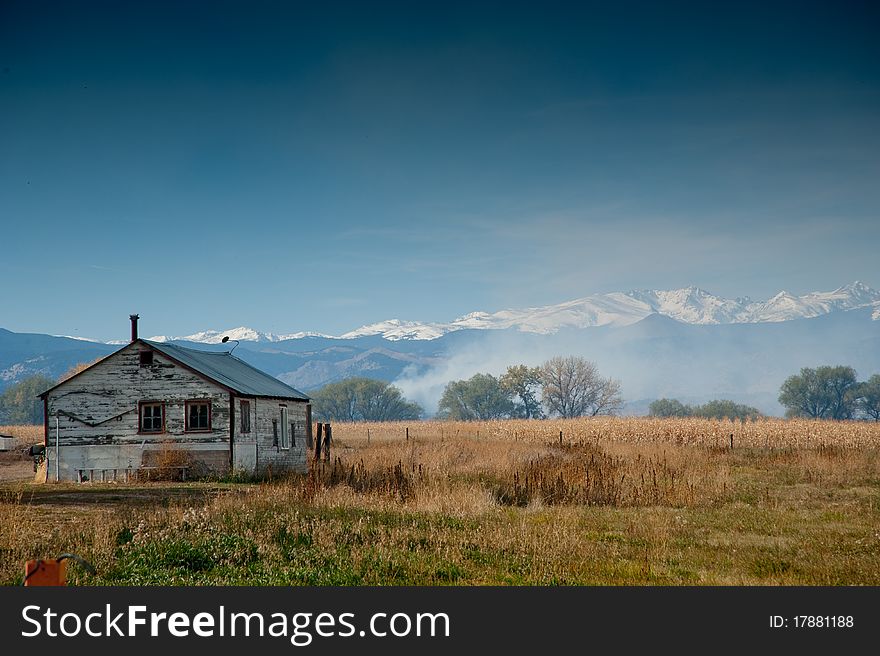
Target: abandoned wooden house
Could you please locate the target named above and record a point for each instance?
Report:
(153, 405)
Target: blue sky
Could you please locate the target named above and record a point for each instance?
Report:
(290, 167)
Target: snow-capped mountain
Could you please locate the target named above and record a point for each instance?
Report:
(693, 305)
(784, 306)
(690, 305)
(395, 329)
(241, 333)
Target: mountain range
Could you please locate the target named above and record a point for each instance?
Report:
(689, 305)
(684, 343)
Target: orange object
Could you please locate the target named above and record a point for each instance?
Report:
(50, 571)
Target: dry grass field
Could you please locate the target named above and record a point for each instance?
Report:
(614, 501)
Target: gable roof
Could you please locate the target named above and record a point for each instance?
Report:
(221, 367)
(229, 371)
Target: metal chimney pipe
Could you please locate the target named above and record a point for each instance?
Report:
(134, 326)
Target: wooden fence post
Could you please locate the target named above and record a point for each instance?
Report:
(327, 442)
(560, 438)
(318, 435)
(407, 433)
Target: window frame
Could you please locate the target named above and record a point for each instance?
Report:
(186, 406)
(244, 407)
(284, 441)
(141, 406)
(145, 358)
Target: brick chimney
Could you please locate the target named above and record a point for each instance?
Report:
(134, 326)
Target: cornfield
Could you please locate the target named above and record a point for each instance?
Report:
(764, 433)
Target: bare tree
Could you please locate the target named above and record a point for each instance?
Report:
(572, 387)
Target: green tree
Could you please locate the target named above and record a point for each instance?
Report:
(725, 409)
(363, 399)
(20, 404)
(869, 398)
(480, 397)
(335, 402)
(572, 387)
(669, 408)
(523, 383)
(821, 393)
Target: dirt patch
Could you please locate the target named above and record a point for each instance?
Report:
(16, 465)
(17, 470)
(85, 495)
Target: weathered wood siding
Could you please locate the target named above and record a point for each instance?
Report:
(259, 451)
(98, 418)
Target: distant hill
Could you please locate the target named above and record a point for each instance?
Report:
(25, 354)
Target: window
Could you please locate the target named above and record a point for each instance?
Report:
(285, 427)
(245, 416)
(152, 417)
(146, 358)
(198, 416)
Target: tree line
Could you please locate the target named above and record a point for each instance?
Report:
(562, 386)
(717, 409)
(828, 392)
(573, 387)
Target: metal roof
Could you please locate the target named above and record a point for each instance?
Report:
(229, 371)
